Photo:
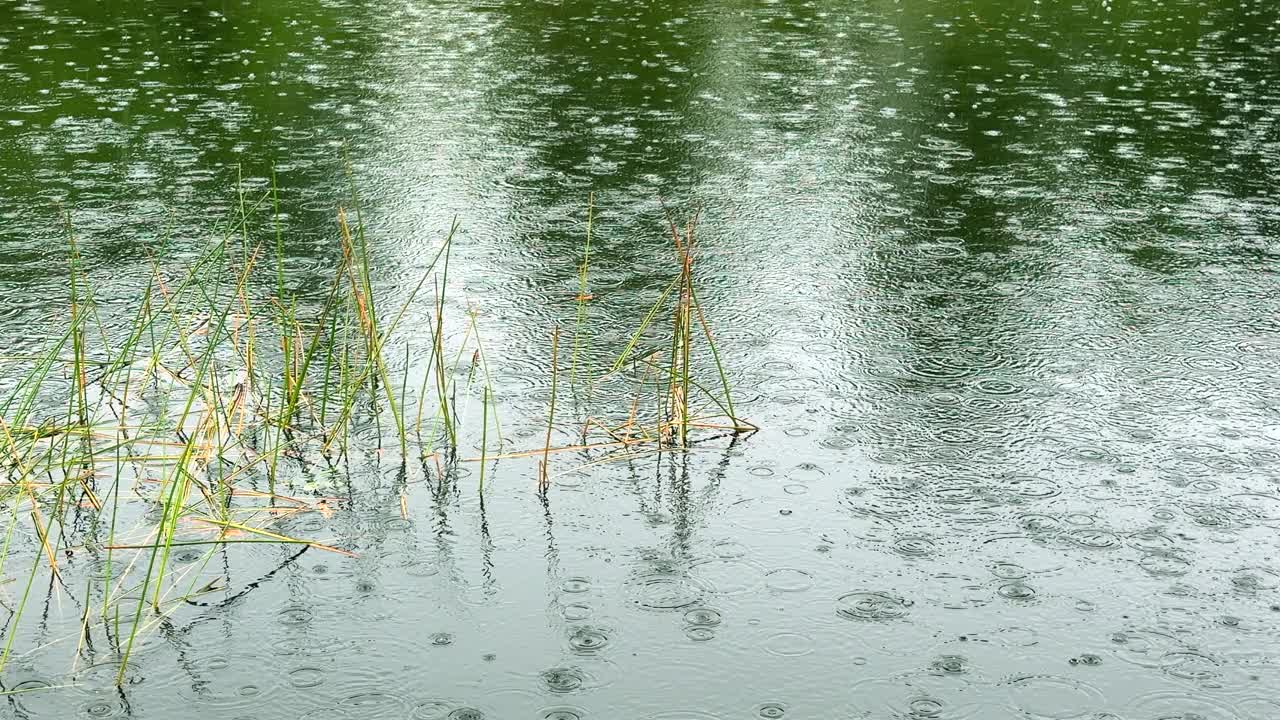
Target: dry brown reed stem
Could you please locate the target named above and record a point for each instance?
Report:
(681, 335)
(611, 432)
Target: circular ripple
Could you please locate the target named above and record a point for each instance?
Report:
(771, 711)
(1017, 591)
(588, 640)
(838, 442)
(914, 546)
(104, 708)
(575, 585)
(997, 386)
(699, 633)
(940, 368)
(1217, 364)
(228, 683)
(102, 675)
(1093, 538)
(871, 606)
(1253, 579)
(374, 706)
(1151, 541)
(917, 696)
(661, 591)
(306, 677)
(950, 664)
(788, 644)
(1053, 698)
(1260, 506)
(728, 549)
(1008, 571)
(1144, 648)
(704, 617)
(1087, 659)
(562, 712)
(1179, 706)
(431, 710)
(575, 612)
(562, 680)
(1189, 665)
(927, 707)
(788, 580)
(1039, 525)
(1260, 708)
(1031, 488)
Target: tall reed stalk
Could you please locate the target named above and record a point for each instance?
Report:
(551, 412)
(583, 294)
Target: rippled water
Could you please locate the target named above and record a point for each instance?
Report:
(997, 279)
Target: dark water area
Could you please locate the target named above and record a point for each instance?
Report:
(999, 281)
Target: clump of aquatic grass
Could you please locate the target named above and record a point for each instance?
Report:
(196, 427)
(187, 429)
(684, 402)
(674, 397)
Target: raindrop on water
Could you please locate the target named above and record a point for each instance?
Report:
(871, 606)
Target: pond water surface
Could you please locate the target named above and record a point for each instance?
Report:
(999, 281)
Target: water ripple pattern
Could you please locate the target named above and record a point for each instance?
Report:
(997, 281)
